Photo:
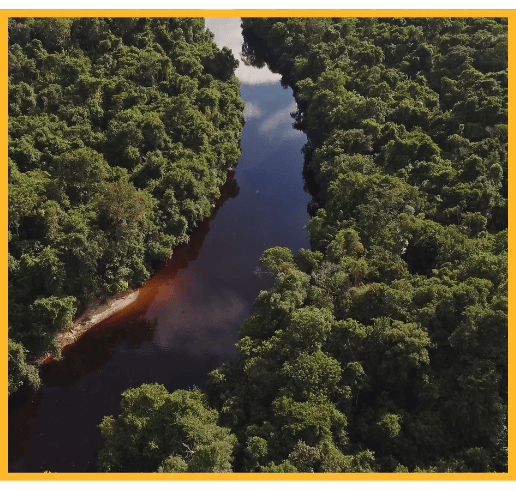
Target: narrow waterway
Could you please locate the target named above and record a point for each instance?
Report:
(186, 319)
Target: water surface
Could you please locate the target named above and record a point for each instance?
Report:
(186, 319)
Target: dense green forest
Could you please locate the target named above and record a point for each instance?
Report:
(121, 133)
(383, 348)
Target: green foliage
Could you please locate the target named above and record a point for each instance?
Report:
(384, 347)
(277, 259)
(19, 371)
(159, 431)
(121, 132)
(311, 373)
(308, 328)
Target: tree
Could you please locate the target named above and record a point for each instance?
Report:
(19, 371)
(159, 431)
(108, 118)
(80, 172)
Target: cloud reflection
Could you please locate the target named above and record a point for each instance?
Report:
(252, 111)
(279, 125)
(228, 33)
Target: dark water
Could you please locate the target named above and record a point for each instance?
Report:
(185, 321)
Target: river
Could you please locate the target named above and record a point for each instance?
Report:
(186, 319)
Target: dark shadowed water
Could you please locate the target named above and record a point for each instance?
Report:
(185, 321)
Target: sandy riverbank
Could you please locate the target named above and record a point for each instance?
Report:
(96, 312)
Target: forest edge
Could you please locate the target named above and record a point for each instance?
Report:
(99, 310)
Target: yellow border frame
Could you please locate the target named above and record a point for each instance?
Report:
(4, 475)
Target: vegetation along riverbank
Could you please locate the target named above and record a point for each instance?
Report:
(383, 348)
(121, 133)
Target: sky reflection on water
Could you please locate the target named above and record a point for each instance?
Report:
(186, 320)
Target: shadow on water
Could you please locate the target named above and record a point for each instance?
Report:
(95, 347)
(186, 318)
(23, 409)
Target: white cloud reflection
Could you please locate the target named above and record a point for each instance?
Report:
(252, 111)
(279, 125)
(228, 33)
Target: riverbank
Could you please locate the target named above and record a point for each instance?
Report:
(95, 313)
